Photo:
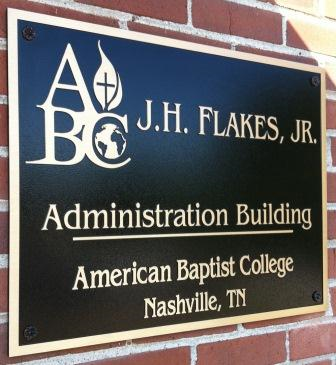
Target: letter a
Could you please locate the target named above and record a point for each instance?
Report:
(80, 277)
(55, 217)
(77, 117)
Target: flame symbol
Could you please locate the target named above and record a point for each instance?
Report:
(106, 84)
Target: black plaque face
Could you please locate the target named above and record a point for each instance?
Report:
(157, 186)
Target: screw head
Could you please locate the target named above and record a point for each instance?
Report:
(28, 33)
(317, 297)
(315, 81)
(30, 332)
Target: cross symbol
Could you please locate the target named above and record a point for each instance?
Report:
(106, 85)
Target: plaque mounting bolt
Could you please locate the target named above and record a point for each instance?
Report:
(28, 33)
(30, 332)
(315, 81)
(317, 297)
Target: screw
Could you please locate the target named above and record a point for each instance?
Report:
(28, 33)
(315, 81)
(30, 332)
(317, 297)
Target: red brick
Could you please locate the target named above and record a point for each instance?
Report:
(315, 37)
(275, 322)
(3, 178)
(331, 114)
(3, 73)
(173, 10)
(331, 76)
(3, 290)
(226, 17)
(177, 35)
(50, 10)
(331, 184)
(3, 232)
(282, 56)
(333, 151)
(3, 125)
(178, 356)
(333, 300)
(312, 341)
(306, 6)
(332, 263)
(330, 8)
(255, 350)
(331, 225)
(176, 336)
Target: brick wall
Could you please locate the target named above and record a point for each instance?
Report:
(299, 30)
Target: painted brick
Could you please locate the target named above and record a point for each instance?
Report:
(331, 76)
(278, 321)
(255, 350)
(177, 35)
(178, 356)
(331, 114)
(3, 73)
(3, 232)
(312, 341)
(3, 125)
(330, 8)
(315, 37)
(282, 56)
(333, 151)
(306, 6)
(331, 184)
(3, 290)
(173, 10)
(333, 300)
(50, 10)
(331, 225)
(229, 18)
(3, 178)
(332, 263)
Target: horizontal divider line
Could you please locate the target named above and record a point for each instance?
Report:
(174, 235)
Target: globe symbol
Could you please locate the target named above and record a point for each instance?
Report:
(110, 142)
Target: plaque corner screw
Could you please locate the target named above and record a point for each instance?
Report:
(315, 81)
(28, 33)
(30, 332)
(317, 297)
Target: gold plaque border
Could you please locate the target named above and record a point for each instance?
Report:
(14, 190)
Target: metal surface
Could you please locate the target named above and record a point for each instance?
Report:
(315, 80)
(113, 124)
(28, 33)
(29, 333)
